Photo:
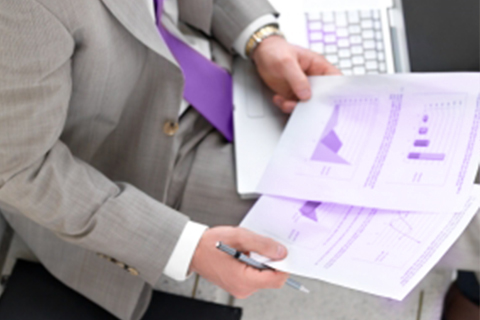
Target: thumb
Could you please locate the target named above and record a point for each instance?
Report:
(297, 79)
(248, 241)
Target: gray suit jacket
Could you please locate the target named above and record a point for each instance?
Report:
(89, 94)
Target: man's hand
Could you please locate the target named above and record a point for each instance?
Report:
(230, 274)
(285, 67)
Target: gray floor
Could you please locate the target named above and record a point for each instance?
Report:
(330, 302)
(325, 301)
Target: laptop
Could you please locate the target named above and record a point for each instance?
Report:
(357, 36)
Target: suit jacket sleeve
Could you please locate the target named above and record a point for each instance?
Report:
(223, 19)
(39, 176)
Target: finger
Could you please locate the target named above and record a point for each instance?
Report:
(247, 241)
(297, 79)
(278, 100)
(285, 105)
(288, 106)
(329, 69)
(315, 64)
(265, 279)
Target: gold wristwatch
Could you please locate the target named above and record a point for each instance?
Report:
(260, 35)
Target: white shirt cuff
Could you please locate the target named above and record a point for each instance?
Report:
(179, 262)
(241, 42)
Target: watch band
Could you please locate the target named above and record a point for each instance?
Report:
(260, 35)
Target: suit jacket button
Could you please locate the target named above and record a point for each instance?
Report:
(133, 271)
(170, 128)
(101, 255)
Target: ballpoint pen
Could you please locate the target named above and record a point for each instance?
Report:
(257, 265)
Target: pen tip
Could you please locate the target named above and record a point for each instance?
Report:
(303, 289)
(218, 244)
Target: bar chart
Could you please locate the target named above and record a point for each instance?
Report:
(430, 147)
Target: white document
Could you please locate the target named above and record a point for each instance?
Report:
(385, 253)
(398, 142)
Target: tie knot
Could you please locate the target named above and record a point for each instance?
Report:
(158, 4)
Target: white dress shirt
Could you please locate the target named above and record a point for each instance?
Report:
(179, 262)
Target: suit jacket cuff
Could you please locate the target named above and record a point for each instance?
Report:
(241, 42)
(231, 17)
(179, 263)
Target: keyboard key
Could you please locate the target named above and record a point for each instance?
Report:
(343, 43)
(342, 32)
(317, 47)
(369, 44)
(367, 34)
(314, 16)
(371, 65)
(357, 49)
(380, 46)
(367, 24)
(347, 72)
(333, 59)
(315, 25)
(340, 19)
(344, 53)
(330, 48)
(327, 17)
(358, 60)
(330, 38)
(383, 67)
(345, 63)
(370, 54)
(353, 17)
(355, 39)
(354, 29)
(316, 36)
(378, 35)
(329, 28)
(366, 14)
(359, 70)
(377, 25)
(376, 14)
(372, 72)
(381, 56)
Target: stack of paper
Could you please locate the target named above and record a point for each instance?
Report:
(373, 179)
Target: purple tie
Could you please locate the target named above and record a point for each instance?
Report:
(208, 87)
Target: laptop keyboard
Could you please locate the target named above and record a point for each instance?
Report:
(350, 40)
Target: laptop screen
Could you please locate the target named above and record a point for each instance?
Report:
(443, 35)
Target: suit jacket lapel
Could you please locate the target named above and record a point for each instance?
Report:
(135, 17)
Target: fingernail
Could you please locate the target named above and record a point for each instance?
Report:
(281, 251)
(304, 94)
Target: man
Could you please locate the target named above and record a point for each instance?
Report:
(100, 151)
(102, 159)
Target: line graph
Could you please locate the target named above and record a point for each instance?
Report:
(403, 228)
(395, 235)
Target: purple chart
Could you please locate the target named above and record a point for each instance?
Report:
(346, 132)
(308, 210)
(330, 144)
